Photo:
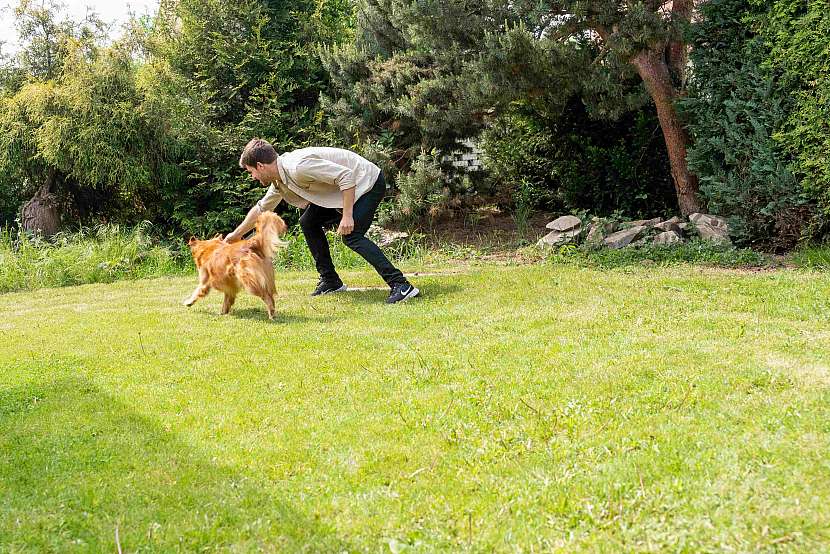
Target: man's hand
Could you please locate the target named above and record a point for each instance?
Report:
(346, 225)
(231, 237)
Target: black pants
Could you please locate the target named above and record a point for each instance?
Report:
(316, 219)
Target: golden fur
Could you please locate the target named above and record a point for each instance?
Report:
(243, 264)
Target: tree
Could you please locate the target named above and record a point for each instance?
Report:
(797, 35)
(231, 70)
(734, 107)
(45, 36)
(87, 140)
(435, 66)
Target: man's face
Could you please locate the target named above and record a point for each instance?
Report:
(264, 173)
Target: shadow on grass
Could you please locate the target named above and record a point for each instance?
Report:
(429, 291)
(281, 316)
(75, 463)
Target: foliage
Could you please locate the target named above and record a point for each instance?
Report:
(796, 34)
(424, 191)
(735, 106)
(99, 254)
(107, 253)
(697, 252)
(239, 69)
(89, 128)
(813, 256)
(432, 72)
(574, 162)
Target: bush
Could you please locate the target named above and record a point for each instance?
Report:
(813, 257)
(575, 163)
(109, 253)
(691, 252)
(796, 33)
(426, 190)
(734, 108)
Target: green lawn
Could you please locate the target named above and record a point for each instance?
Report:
(511, 409)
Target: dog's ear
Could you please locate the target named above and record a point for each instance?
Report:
(192, 241)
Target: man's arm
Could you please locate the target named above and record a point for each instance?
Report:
(347, 222)
(267, 203)
(246, 225)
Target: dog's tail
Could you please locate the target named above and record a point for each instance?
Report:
(269, 228)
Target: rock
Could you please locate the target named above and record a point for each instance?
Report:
(623, 238)
(385, 237)
(714, 234)
(711, 220)
(564, 223)
(669, 226)
(668, 237)
(643, 222)
(555, 238)
(676, 220)
(599, 230)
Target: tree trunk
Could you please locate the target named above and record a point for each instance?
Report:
(40, 214)
(655, 73)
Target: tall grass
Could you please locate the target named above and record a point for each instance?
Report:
(298, 257)
(813, 257)
(696, 252)
(101, 254)
(108, 253)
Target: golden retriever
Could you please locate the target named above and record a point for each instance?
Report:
(244, 264)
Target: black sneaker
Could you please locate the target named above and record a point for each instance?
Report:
(326, 288)
(402, 292)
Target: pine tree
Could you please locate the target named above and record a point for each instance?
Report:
(429, 71)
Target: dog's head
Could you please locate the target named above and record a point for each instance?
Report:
(202, 249)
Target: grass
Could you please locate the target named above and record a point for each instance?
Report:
(690, 252)
(103, 254)
(109, 253)
(813, 257)
(539, 408)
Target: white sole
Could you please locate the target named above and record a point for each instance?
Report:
(412, 294)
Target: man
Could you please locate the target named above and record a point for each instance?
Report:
(332, 185)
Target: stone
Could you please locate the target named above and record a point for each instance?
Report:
(669, 226)
(555, 238)
(598, 230)
(668, 237)
(676, 219)
(643, 222)
(564, 223)
(385, 237)
(623, 238)
(711, 220)
(714, 234)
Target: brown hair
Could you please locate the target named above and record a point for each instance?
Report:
(257, 150)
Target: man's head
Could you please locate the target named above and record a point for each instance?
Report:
(260, 160)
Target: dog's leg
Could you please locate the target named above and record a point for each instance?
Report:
(269, 305)
(226, 305)
(200, 292)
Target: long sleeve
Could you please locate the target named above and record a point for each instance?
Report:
(318, 170)
(268, 202)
